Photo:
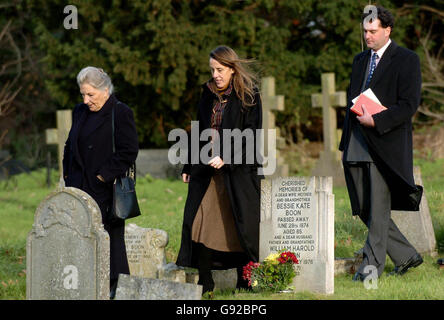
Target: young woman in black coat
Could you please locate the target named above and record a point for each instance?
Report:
(89, 163)
(222, 211)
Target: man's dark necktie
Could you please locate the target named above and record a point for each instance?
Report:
(372, 68)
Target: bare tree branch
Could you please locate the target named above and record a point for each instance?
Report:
(425, 110)
(432, 64)
(407, 8)
(8, 92)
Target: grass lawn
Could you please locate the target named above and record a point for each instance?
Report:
(162, 203)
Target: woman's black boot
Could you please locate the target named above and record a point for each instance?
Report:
(204, 264)
(112, 289)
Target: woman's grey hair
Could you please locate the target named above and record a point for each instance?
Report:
(95, 77)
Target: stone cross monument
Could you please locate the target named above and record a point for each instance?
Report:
(58, 136)
(270, 102)
(329, 163)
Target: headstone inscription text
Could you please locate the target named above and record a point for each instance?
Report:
(145, 248)
(297, 214)
(293, 226)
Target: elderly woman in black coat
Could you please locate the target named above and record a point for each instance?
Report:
(222, 211)
(89, 163)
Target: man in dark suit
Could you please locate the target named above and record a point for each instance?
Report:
(377, 149)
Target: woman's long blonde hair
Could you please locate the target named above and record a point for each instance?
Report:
(244, 80)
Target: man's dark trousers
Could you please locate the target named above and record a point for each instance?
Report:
(384, 236)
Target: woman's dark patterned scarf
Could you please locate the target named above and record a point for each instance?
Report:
(219, 106)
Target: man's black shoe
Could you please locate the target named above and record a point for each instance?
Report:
(413, 262)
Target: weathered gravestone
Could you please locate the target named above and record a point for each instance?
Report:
(155, 162)
(145, 248)
(271, 102)
(329, 163)
(138, 288)
(417, 226)
(297, 214)
(58, 136)
(67, 250)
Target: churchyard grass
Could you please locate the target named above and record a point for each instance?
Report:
(162, 203)
(19, 198)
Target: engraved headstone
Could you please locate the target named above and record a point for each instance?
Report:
(138, 288)
(297, 214)
(67, 250)
(145, 249)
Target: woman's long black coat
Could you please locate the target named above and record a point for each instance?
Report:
(241, 180)
(83, 162)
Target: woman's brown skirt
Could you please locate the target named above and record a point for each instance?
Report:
(214, 224)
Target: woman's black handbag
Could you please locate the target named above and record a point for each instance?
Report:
(125, 205)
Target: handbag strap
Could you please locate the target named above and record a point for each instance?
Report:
(112, 126)
(132, 169)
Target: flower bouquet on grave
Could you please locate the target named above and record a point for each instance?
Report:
(275, 274)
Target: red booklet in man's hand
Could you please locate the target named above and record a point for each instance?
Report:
(371, 105)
